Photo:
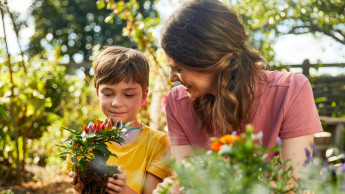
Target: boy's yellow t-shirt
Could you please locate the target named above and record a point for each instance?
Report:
(148, 153)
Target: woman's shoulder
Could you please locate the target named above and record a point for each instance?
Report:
(279, 78)
(178, 93)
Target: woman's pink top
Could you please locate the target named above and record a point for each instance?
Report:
(283, 107)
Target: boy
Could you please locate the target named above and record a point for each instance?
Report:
(121, 81)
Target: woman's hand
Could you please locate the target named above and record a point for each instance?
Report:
(117, 183)
(77, 185)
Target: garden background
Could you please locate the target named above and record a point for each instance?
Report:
(46, 79)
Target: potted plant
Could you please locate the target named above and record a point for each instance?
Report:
(89, 152)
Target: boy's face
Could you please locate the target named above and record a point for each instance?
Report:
(121, 101)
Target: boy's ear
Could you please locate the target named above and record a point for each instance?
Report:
(97, 93)
(143, 100)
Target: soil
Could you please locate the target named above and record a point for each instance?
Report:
(41, 181)
(95, 179)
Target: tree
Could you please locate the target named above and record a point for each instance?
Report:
(77, 26)
(267, 20)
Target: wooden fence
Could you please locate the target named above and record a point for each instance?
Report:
(329, 91)
(329, 95)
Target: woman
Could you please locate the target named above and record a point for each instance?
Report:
(224, 86)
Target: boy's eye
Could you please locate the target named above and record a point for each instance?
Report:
(129, 95)
(107, 94)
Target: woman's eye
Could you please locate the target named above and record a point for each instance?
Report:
(178, 70)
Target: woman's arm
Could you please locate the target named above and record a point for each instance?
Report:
(179, 152)
(294, 149)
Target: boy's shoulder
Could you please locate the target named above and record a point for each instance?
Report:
(153, 133)
(154, 139)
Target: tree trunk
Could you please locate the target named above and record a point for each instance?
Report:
(14, 124)
(23, 131)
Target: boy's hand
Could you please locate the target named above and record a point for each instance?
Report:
(117, 183)
(78, 186)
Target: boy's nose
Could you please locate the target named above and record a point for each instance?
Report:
(116, 102)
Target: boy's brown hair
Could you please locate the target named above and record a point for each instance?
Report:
(117, 63)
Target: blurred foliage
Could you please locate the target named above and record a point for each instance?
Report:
(243, 165)
(267, 20)
(44, 100)
(78, 25)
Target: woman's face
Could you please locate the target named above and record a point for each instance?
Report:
(196, 83)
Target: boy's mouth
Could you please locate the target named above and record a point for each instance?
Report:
(117, 113)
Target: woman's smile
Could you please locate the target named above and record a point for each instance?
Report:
(197, 84)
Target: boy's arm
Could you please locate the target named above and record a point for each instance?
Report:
(151, 182)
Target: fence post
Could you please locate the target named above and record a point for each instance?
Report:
(305, 67)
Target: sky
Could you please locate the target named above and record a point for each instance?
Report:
(290, 49)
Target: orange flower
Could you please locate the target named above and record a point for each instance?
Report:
(216, 145)
(229, 139)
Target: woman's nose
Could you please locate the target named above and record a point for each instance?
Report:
(173, 77)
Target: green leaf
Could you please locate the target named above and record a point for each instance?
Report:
(71, 130)
(68, 140)
(82, 163)
(131, 130)
(119, 140)
(74, 159)
(62, 146)
(103, 148)
(3, 113)
(90, 135)
(92, 146)
(127, 124)
(64, 153)
(111, 154)
(73, 168)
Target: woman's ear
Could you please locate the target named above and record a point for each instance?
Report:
(143, 100)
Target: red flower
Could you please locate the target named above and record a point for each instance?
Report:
(86, 129)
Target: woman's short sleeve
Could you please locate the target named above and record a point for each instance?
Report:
(300, 113)
(176, 133)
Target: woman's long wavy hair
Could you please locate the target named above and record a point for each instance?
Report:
(206, 36)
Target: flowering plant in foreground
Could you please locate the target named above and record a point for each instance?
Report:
(236, 164)
(89, 152)
(241, 164)
(321, 177)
